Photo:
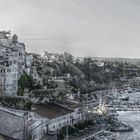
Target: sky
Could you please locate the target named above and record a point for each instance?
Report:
(103, 28)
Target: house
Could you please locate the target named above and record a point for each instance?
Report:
(22, 125)
(13, 61)
(58, 84)
(11, 123)
(59, 116)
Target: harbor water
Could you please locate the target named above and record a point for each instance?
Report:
(131, 118)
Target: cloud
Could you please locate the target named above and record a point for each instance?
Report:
(84, 28)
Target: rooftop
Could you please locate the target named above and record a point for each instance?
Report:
(68, 104)
(19, 113)
(50, 111)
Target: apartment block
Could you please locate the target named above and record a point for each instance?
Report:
(13, 62)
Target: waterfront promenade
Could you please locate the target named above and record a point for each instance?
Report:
(122, 107)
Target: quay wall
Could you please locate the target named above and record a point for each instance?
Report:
(11, 125)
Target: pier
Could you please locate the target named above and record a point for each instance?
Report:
(123, 107)
(93, 135)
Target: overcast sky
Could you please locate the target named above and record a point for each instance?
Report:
(81, 27)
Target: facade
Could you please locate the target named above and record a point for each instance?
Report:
(12, 124)
(58, 116)
(64, 120)
(13, 61)
(37, 123)
(22, 125)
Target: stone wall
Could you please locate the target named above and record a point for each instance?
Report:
(11, 125)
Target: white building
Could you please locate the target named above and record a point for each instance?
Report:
(22, 125)
(13, 61)
(58, 116)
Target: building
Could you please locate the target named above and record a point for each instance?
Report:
(13, 61)
(59, 116)
(37, 123)
(12, 124)
(55, 83)
(22, 125)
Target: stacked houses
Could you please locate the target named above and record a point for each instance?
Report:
(13, 62)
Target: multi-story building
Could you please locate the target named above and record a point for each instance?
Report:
(13, 62)
(59, 114)
(22, 125)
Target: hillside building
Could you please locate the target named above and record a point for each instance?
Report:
(59, 114)
(13, 62)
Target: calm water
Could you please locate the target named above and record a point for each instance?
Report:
(132, 119)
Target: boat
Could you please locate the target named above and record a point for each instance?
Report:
(101, 109)
(114, 115)
(123, 128)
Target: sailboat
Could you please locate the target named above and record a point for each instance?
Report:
(101, 109)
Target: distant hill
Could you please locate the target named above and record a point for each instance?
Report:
(134, 61)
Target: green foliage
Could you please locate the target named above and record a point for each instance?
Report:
(84, 71)
(25, 81)
(15, 102)
(81, 126)
(76, 128)
(71, 130)
(62, 133)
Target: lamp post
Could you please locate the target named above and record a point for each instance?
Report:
(25, 130)
(67, 134)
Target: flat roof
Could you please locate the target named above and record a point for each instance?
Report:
(50, 111)
(19, 113)
(68, 103)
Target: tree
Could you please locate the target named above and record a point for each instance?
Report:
(25, 81)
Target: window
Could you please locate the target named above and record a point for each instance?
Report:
(14, 70)
(14, 62)
(10, 62)
(15, 82)
(14, 87)
(14, 76)
(20, 53)
(64, 123)
(8, 70)
(59, 124)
